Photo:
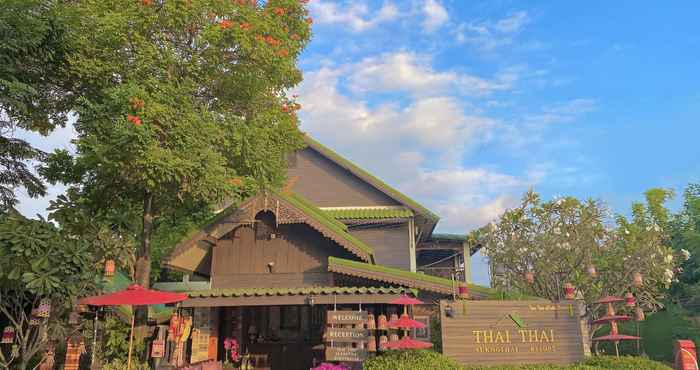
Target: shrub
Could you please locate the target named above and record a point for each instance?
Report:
(411, 360)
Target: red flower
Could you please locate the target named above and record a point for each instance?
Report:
(246, 26)
(224, 24)
(146, 2)
(134, 119)
(278, 11)
(283, 53)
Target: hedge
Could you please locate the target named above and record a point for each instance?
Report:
(430, 360)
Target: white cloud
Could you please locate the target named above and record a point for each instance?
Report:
(409, 72)
(490, 35)
(563, 112)
(435, 15)
(355, 15)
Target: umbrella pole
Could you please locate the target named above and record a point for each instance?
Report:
(131, 340)
(94, 340)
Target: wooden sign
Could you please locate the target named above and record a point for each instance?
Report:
(511, 332)
(346, 354)
(346, 317)
(346, 335)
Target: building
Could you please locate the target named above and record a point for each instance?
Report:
(267, 270)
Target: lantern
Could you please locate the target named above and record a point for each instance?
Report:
(372, 345)
(592, 272)
(463, 292)
(109, 268)
(81, 308)
(629, 300)
(34, 319)
(8, 335)
(393, 317)
(157, 348)
(381, 322)
(569, 291)
(44, 309)
(383, 340)
(639, 314)
(371, 324)
(393, 337)
(530, 277)
(74, 318)
(637, 279)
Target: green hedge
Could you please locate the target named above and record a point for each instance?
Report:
(430, 360)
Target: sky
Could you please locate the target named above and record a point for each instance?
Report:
(464, 105)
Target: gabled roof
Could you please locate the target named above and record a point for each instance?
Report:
(360, 213)
(401, 277)
(371, 179)
(296, 209)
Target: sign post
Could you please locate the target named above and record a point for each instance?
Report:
(346, 336)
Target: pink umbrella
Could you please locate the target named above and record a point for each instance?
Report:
(406, 300)
(406, 322)
(408, 343)
(134, 295)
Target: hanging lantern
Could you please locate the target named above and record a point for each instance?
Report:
(158, 348)
(639, 314)
(44, 309)
(463, 291)
(81, 308)
(530, 277)
(34, 320)
(637, 279)
(8, 335)
(569, 291)
(371, 324)
(592, 272)
(372, 344)
(383, 340)
(74, 318)
(381, 322)
(393, 337)
(393, 317)
(109, 268)
(629, 300)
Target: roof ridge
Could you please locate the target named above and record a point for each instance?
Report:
(368, 177)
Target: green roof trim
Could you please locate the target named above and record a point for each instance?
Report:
(361, 173)
(262, 292)
(403, 274)
(450, 237)
(368, 213)
(338, 227)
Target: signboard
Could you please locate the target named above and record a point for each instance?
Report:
(511, 332)
(346, 335)
(346, 354)
(347, 317)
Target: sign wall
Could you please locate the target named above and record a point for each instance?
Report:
(511, 332)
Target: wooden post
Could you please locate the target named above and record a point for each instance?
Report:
(131, 340)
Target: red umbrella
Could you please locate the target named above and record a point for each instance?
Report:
(615, 337)
(406, 300)
(408, 343)
(605, 319)
(134, 295)
(406, 322)
(609, 299)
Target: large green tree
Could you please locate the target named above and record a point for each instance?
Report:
(685, 238)
(34, 93)
(181, 104)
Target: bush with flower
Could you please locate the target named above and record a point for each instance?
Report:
(540, 246)
(231, 348)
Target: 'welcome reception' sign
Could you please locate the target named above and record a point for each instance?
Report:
(509, 332)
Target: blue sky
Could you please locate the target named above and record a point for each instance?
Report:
(464, 105)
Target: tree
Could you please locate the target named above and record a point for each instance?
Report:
(33, 93)
(539, 246)
(181, 104)
(38, 261)
(685, 238)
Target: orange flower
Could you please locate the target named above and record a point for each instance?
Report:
(246, 26)
(309, 20)
(146, 2)
(134, 119)
(224, 24)
(259, 38)
(278, 11)
(283, 53)
(295, 37)
(136, 103)
(236, 181)
(272, 41)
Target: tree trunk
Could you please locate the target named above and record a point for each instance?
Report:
(143, 264)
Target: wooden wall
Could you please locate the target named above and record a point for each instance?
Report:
(485, 332)
(328, 185)
(299, 253)
(390, 243)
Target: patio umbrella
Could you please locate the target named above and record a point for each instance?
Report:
(408, 343)
(406, 300)
(134, 295)
(406, 322)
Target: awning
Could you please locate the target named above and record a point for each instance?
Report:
(292, 296)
